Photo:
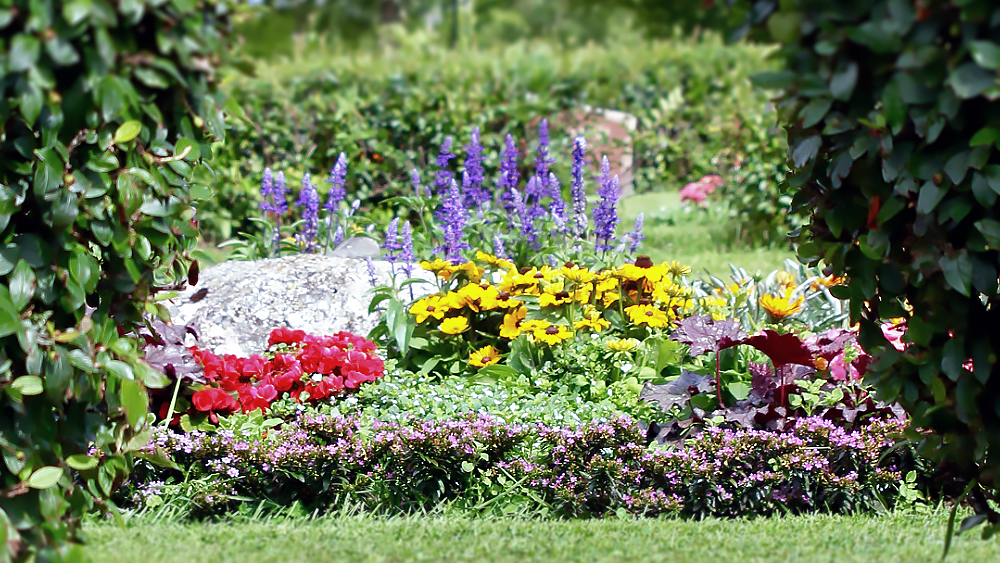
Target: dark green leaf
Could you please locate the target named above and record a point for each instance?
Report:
(805, 150)
(22, 285)
(24, 52)
(986, 54)
(991, 231)
(843, 82)
(969, 80)
(930, 196)
(958, 272)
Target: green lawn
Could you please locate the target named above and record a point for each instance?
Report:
(906, 538)
(694, 239)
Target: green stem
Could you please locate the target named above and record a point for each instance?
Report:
(173, 403)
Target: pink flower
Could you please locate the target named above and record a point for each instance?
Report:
(893, 330)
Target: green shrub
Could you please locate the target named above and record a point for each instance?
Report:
(892, 120)
(390, 112)
(104, 109)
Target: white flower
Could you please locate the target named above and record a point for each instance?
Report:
(317, 377)
(627, 367)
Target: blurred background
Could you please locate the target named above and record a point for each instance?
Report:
(387, 81)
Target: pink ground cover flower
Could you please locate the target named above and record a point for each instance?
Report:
(699, 190)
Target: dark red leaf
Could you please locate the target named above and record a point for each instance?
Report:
(782, 349)
(704, 334)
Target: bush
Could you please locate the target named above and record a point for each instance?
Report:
(892, 123)
(386, 111)
(105, 108)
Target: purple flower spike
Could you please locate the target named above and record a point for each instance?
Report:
(606, 213)
(442, 181)
(542, 161)
(392, 246)
(636, 236)
(472, 182)
(557, 207)
(418, 189)
(577, 190)
(273, 187)
(498, 248)
(309, 202)
(453, 215)
(509, 175)
(524, 216)
(337, 179)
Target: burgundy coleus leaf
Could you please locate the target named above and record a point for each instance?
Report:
(831, 343)
(782, 349)
(705, 334)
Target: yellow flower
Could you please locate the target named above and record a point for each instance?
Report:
(828, 281)
(454, 300)
(622, 344)
(595, 324)
(820, 363)
(485, 356)
(474, 272)
(510, 328)
(609, 297)
(428, 307)
(454, 325)
(493, 260)
(784, 278)
(553, 295)
(633, 272)
(535, 324)
(441, 268)
(781, 307)
(647, 315)
(507, 301)
(553, 334)
(676, 269)
(577, 274)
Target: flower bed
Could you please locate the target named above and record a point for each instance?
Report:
(585, 470)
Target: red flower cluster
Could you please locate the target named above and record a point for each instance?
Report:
(307, 368)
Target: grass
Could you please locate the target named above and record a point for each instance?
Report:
(910, 538)
(696, 238)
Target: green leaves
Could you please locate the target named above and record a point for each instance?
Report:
(24, 52)
(45, 477)
(127, 131)
(28, 385)
(22, 285)
(969, 80)
(986, 54)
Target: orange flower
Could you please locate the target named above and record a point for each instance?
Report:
(781, 307)
(485, 356)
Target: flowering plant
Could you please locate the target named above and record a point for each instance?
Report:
(298, 366)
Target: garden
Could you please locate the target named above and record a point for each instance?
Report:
(724, 288)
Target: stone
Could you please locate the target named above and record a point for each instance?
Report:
(237, 304)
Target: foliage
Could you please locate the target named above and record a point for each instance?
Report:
(588, 470)
(105, 109)
(386, 110)
(892, 123)
(298, 367)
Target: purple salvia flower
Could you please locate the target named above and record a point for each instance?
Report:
(606, 212)
(274, 187)
(527, 224)
(498, 248)
(577, 190)
(557, 207)
(472, 180)
(372, 277)
(338, 235)
(309, 202)
(542, 161)
(418, 188)
(337, 179)
(453, 216)
(636, 236)
(442, 181)
(509, 175)
(533, 193)
(392, 246)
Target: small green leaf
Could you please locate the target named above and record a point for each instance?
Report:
(24, 52)
(843, 82)
(468, 466)
(985, 136)
(82, 462)
(45, 477)
(22, 285)
(29, 385)
(986, 54)
(958, 272)
(990, 229)
(135, 401)
(128, 131)
(969, 80)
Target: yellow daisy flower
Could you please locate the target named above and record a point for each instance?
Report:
(441, 268)
(676, 269)
(622, 344)
(783, 306)
(553, 295)
(647, 315)
(535, 325)
(634, 272)
(576, 274)
(595, 324)
(510, 329)
(430, 306)
(454, 325)
(553, 334)
(485, 356)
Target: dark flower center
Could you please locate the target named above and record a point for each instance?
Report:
(643, 261)
(430, 308)
(649, 313)
(562, 295)
(552, 330)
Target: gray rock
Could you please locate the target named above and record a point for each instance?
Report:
(236, 305)
(358, 247)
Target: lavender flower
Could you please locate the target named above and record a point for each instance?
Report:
(498, 248)
(418, 188)
(557, 207)
(472, 180)
(527, 224)
(372, 277)
(337, 179)
(606, 212)
(453, 216)
(636, 236)
(338, 236)
(577, 190)
(309, 201)
(275, 189)
(392, 246)
(542, 161)
(509, 175)
(443, 179)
